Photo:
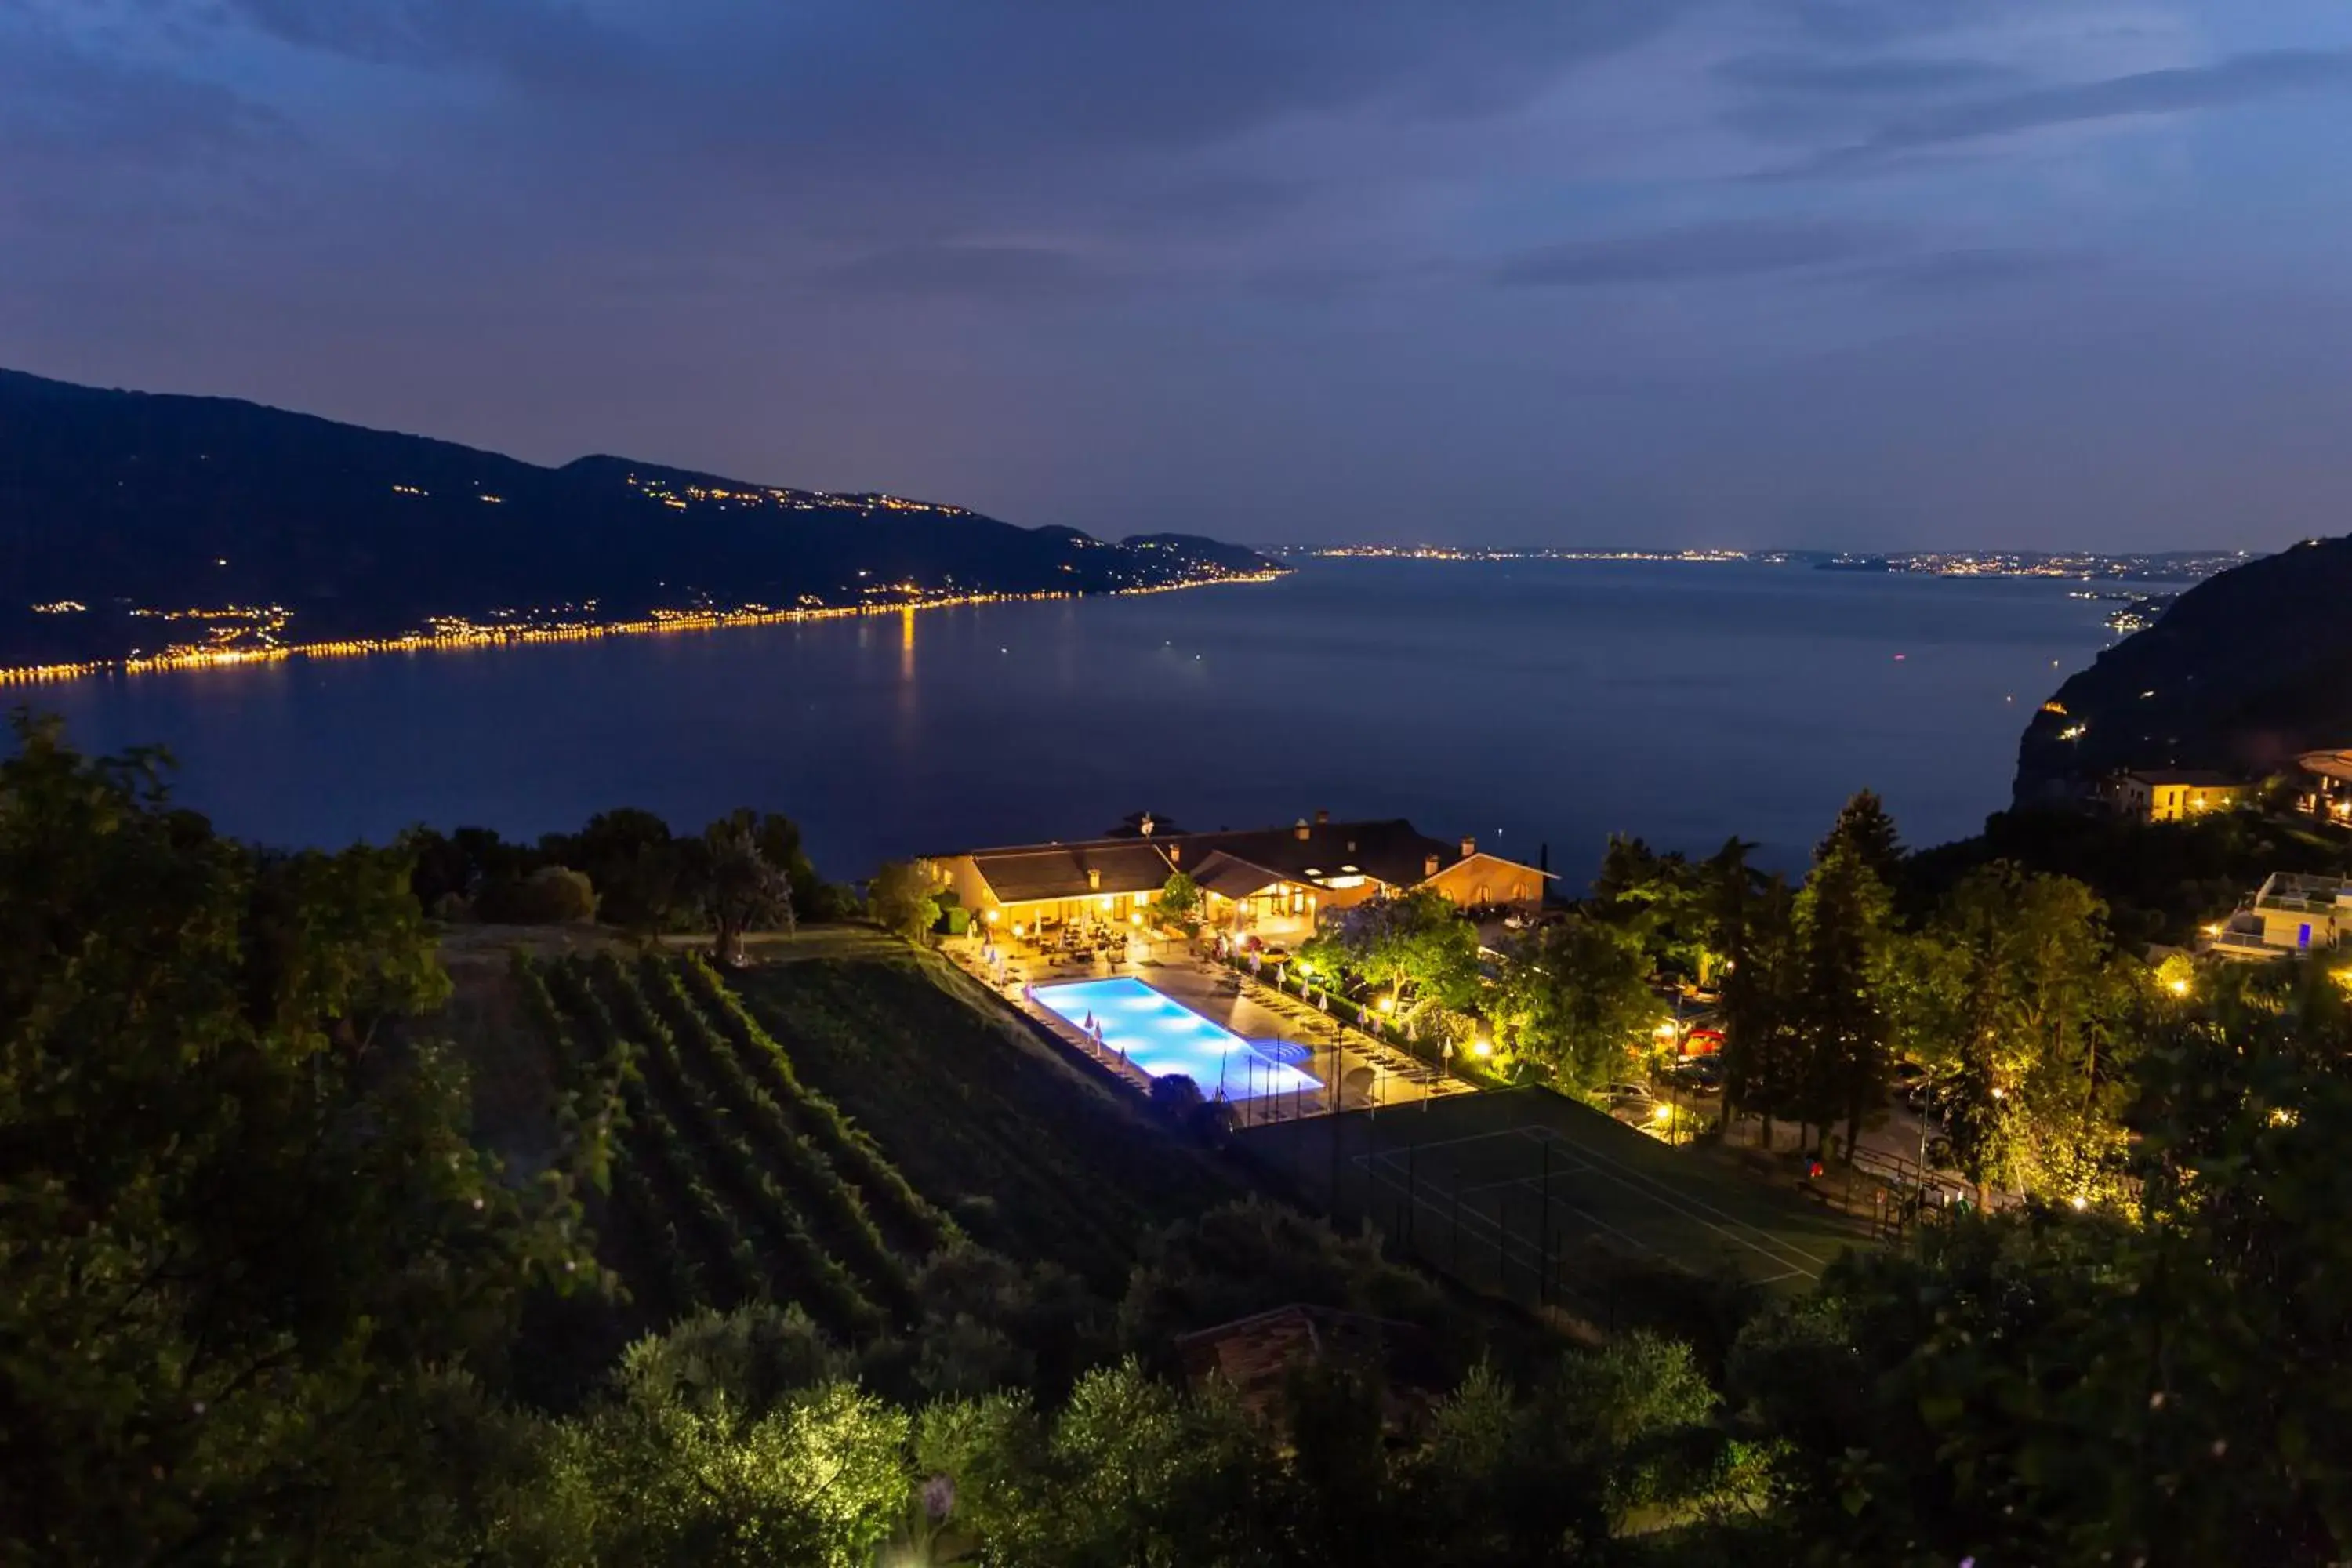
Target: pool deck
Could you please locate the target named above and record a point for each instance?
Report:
(1370, 1073)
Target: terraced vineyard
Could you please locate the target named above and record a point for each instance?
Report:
(1044, 1158)
(813, 1136)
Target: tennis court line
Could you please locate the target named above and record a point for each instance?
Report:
(1392, 1151)
(1533, 1186)
(1590, 1162)
(1792, 1261)
(1562, 1164)
(1513, 1241)
(1773, 1247)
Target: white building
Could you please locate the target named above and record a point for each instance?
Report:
(2293, 913)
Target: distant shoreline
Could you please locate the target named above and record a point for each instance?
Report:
(659, 623)
(2097, 566)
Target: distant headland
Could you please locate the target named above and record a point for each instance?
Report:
(142, 531)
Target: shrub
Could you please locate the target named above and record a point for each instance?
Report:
(552, 895)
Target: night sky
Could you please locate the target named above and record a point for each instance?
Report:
(1897, 272)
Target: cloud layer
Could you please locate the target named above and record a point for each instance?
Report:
(1842, 271)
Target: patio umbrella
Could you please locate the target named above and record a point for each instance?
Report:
(1089, 1026)
(1323, 1000)
(1279, 971)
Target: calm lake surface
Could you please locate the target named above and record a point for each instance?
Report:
(1526, 703)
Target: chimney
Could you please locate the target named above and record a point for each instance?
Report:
(1094, 879)
(1322, 819)
(1429, 867)
(1469, 846)
(1300, 831)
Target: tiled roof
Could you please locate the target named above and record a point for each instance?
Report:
(1060, 871)
(2335, 765)
(1391, 852)
(1230, 878)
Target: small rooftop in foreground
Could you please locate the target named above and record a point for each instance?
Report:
(2303, 890)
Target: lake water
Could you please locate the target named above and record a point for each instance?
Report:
(1526, 703)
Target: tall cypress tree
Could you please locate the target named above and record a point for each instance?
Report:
(1759, 988)
(1844, 920)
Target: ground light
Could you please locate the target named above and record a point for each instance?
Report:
(2178, 987)
(1482, 1048)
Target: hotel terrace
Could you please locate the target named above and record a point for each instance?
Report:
(1272, 882)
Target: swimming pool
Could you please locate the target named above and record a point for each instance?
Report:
(1163, 1037)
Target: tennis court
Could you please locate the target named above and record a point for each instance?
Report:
(1538, 1197)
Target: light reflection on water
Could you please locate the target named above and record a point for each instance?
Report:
(1524, 704)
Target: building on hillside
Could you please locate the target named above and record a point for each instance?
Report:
(2323, 785)
(1257, 1357)
(2293, 914)
(1274, 881)
(2174, 795)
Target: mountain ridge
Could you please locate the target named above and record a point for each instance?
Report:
(127, 506)
(2240, 674)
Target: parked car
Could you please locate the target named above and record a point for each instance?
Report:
(1699, 1075)
(1631, 1103)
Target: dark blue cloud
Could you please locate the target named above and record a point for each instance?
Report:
(991, 271)
(531, 38)
(1738, 248)
(1894, 76)
(2225, 84)
(1976, 268)
(61, 98)
(1320, 266)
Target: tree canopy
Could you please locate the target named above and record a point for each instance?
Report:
(1575, 999)
(248, 1246)
(903, 898)
(1415, 946)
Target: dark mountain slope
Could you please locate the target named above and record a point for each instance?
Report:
(117, 500)
(2241, 673)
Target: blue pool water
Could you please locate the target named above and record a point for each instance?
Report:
(1163, 1037)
